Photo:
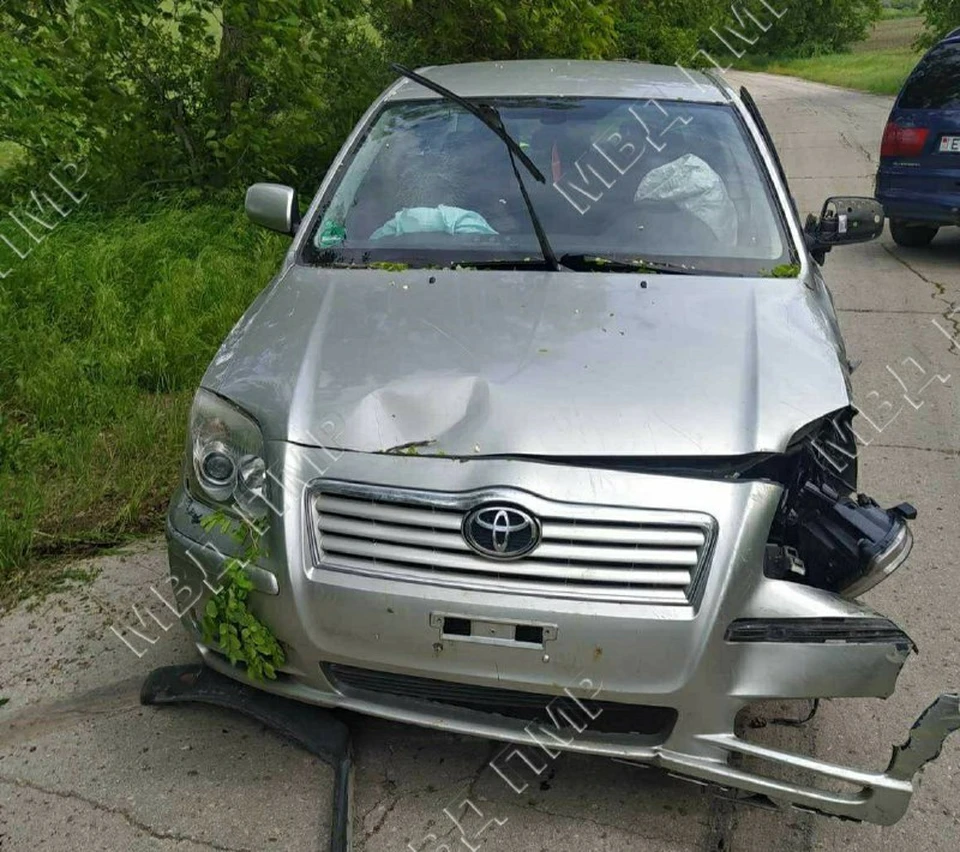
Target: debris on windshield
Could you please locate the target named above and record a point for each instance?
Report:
(410, 449)
(786, 270)
(389, 266)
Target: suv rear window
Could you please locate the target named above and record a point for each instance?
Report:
(935, 84)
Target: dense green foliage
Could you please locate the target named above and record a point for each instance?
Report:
(670, 31)
(421, 32)
(880, 64)
(942, 17)
(196, 93)
(814, 27)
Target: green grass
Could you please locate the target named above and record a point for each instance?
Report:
(880, 64)
(105, 331)
(882, 72)
(10, 153)
(891, 14)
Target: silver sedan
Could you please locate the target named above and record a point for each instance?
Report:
(548, 420)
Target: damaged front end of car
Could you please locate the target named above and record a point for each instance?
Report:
(782, 544)
(829, 537)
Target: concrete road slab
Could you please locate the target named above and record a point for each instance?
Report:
(413, 784)
(53, 648)
(34, 819)
(908, 386)
(73, 735)
(921, 598)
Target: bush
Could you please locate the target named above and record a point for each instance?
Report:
(160, 95)
(430, 32)
(668, 31)
(815, 27)
(941, 18)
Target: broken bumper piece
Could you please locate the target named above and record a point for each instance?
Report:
(875, 797)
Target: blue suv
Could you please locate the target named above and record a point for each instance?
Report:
(919, 178)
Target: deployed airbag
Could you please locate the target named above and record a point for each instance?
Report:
(694, 186)
(442, 219)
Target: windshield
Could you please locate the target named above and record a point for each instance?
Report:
(666, 185)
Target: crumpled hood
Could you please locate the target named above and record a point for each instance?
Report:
(532, 363)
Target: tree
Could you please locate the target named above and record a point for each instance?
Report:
(428, 32)
(669, 31)
(814, 27)
(941, 17)
(196, 93)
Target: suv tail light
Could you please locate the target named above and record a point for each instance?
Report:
(903, 141)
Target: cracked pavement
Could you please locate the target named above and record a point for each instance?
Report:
(84, 766)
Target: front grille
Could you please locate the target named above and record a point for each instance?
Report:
(613, 717)
(586, 551)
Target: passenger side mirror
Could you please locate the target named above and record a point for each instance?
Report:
(273, 206)
(844, 220)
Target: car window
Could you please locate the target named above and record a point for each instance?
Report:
(430, 184)
(935, 84)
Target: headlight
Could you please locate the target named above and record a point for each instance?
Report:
(225, 464)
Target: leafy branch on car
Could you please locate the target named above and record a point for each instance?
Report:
(227, 619)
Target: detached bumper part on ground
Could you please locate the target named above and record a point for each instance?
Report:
(670, 666)
(319, 733)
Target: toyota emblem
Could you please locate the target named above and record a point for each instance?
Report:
(501, 532)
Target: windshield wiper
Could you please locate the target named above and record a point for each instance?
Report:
(491, 118)
(589, 262)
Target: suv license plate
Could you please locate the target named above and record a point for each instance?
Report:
(950, 145)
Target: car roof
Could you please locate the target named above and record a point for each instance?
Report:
(567, 78)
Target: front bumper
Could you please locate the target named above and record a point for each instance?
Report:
(643, 655)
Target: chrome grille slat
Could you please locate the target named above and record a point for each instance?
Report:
(616, 534)
(419, 536)
(623, 555)
(586, 552)
(351, 507)
(454, 561)
(521, 586)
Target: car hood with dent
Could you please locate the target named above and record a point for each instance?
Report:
(532, 363)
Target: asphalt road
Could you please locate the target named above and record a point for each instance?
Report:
(83, 766)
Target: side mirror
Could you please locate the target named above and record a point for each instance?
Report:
(844, 220)
(273, 206)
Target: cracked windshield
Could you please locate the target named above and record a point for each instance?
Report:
(667, 185)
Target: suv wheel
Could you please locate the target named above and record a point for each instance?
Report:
(912, 236)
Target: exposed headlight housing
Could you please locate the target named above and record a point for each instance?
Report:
(849, 545)
(225, 461)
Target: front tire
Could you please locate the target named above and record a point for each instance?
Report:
(912, 236)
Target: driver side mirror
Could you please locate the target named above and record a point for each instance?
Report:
(844, 220)
(273, 206)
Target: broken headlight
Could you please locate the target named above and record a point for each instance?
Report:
(225, 462)
(825, 534)
(847, 544)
